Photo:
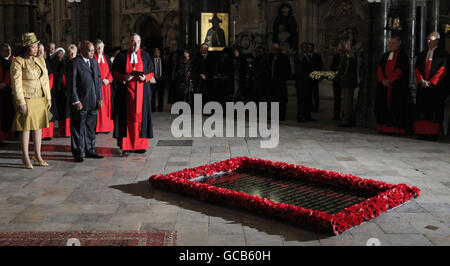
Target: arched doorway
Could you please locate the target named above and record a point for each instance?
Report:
(150, 32)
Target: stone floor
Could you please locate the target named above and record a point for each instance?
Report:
(112, 194)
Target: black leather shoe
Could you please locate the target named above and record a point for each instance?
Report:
(79, 160)
(126, 153)
(141, 151)
(95, 156)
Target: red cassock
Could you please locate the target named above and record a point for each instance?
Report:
(134, 101)
(105, 122)
(4, 77)
(430, 102)
(64, 124)
(392, 74)
(47, 133)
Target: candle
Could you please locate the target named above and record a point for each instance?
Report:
(234, 31)
(196, 32)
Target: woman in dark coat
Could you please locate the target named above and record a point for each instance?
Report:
(185, 78)
(348, 79)
(392, 92)
(59, 67)
(259, 76)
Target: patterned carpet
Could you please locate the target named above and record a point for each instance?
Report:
(126, 238)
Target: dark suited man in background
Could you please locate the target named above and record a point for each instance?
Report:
(316, 65)
(161, 70)
(303, 84)
(337, 91)
(206, 66)
(85, 86)
(280, 70)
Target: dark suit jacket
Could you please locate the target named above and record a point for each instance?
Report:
(316, 62)
(84, 83)
(164, 69)
(303, 67)
(281, 73)
(348, 72)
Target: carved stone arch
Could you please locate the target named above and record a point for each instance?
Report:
(170, 30)
(150, 30)
(341, 19)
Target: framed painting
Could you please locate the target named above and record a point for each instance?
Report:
(215, 30)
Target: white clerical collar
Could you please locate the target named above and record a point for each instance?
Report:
(133, 58)
(431, 53)
(101, 59)
(391, 56)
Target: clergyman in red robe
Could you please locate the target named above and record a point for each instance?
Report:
(132, 71)
(393, 91)
(431, 70)
(105, 123)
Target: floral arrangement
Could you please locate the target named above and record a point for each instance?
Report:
(319, 75)
(386, 196)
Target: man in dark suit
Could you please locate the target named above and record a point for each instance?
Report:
(316, 65)
(206, 65)
(280, 71)
(161, 72)
(85, 86)
(303, 85)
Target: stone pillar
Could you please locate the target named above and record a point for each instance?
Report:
(377, 37)
(422, 24)
(408, 10)
(116, 23)
(185, 19)
(8, 22)
(433, 8)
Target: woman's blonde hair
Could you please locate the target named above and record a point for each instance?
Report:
(72, 51)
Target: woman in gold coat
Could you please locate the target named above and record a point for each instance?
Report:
(32, 98)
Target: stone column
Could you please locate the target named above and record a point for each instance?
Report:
(185, 19)
(377, 36)
(422, 24)
(408, 10)
(116, 23)
(8, 23)
(433, 8)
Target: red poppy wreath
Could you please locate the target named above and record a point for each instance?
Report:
(324, 201)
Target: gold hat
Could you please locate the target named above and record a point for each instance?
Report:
(26, 40)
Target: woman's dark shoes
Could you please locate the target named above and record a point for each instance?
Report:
(78, 160)
(345, 125)
(95, 156)
(141, 151)
(433, 137)
(422, 137)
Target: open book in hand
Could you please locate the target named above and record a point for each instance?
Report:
(136, 74)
